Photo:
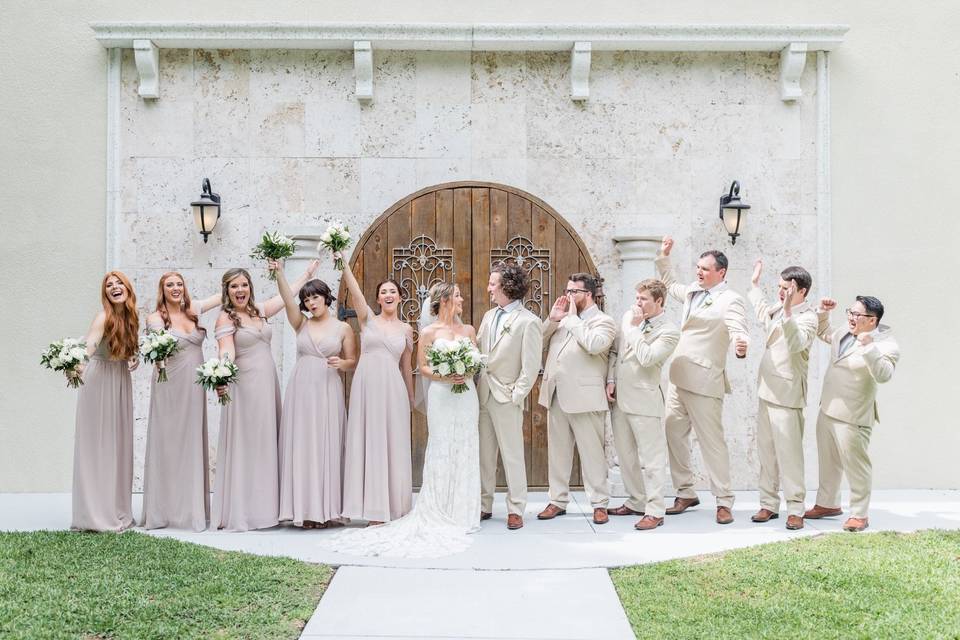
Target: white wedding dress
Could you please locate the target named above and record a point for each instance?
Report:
(447, 508)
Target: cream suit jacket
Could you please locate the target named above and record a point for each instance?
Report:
(513, 358)
(700, 361)
(850, 384)
(576, 366)
(636, 360)
(783, 368)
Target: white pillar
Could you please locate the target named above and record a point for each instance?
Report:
(306, 239)
(637, 252)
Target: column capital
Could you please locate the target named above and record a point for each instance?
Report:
(638, 247)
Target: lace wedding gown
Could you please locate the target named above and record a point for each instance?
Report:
(448, 506)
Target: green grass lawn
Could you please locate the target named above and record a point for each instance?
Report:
(883, 585)
(87, 585)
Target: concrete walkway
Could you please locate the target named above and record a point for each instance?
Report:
(547, 580)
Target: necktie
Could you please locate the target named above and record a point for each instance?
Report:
(695, 301)
(496, 325)
(846, 343)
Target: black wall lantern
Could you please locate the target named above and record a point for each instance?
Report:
(732, 210)
(206, 210)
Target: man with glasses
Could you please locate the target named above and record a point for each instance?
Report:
(863, 354)
(790, 328)
(579, 337)
(713, 316)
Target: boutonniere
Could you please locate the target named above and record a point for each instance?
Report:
(648, 328)
(506, 328)
(708, 301)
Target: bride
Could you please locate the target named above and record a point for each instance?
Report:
(448, 506)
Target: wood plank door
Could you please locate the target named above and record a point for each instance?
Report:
(455, 232)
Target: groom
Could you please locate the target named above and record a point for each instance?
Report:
(511, 339)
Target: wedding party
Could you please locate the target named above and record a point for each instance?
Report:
(505, 320)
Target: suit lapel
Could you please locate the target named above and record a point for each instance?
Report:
(504, 321)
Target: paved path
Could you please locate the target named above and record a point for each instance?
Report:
(547, 580)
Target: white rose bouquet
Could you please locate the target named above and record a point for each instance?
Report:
(217, 372)
(66, 355)
(155, 347)
(455, 358)
(273, 246)
(335, 238)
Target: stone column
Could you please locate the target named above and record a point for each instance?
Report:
(306, 239)
(637, 252)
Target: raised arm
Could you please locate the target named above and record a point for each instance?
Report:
(273, 306)
(656, 352)
(760, 306)
(824, 329)
(594, 339)
(880, 360)
(665, 270)
(206, 304)
(290, 304)
(800, 331)
(356, 292)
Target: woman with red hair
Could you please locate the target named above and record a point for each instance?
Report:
(176, 485)
(103, 450)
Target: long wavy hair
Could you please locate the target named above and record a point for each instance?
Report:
(185, 304)
(122, 323)
(225, 301)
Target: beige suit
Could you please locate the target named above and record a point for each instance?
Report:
(513, 364)
(573, 393)
(636, 360)
(699, 380)
(782, 389)
(848, 412)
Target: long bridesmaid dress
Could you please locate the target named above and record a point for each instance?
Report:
(378, 471)
(176, 485)
(246, 493)
(311, 433)
(103, 447)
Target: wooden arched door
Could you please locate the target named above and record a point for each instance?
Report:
(454, 232)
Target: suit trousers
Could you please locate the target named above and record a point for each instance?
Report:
(842, 448)
(501, 426)
(780, 449)
(586, 430)
(642, 451)
(704, 414)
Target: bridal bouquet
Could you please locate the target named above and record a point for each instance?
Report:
(273, 246)
(156, 347)
(217, 372)
(335, 238)
(66, 355)
(460, 358)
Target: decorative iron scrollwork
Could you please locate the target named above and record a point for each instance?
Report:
(520, 251)
(416, 268)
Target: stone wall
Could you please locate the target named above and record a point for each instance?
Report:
(286, 144)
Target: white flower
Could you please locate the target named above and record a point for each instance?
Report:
(459, 367)
(326, 237)
(78, 353)
(56, 362)
(222, 371)
(444, 369)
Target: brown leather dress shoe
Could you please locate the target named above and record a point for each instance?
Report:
(648, 522)
(856, 524)
(485, 516)
(682, 504)
(794, 523)
(822, 512)
(724, 516)
(623, 510)
(551, 512)
(600, 516)
(514, 522)
(764, 515)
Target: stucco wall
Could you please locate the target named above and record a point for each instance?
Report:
(895, 148)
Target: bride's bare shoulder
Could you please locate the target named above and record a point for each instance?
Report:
(468, 331)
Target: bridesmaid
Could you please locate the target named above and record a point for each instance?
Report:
(378, 472)
(103, 451)
(176, 485)
(246, 493)
(314, 415)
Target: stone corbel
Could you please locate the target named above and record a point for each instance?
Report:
(363, 69)
(147, 56)
(793, 58)
(580, 71)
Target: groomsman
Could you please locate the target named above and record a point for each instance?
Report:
(863, 354)
(511, 338)
(644, 342)
(790, 327)
(713, 316)
(572, 391)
